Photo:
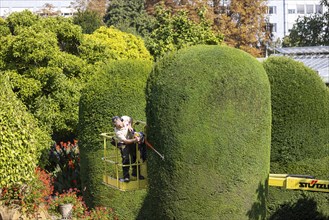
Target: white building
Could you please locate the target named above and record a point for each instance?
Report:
(282, 14)
(62, 7)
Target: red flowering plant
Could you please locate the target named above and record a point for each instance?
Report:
(64, 164)
(28, 197)
(69, 196)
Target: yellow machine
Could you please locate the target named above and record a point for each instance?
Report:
(113, 170)
(298, 182)
(113, 166)
(113, 163)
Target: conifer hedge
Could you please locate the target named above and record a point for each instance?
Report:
(116, 89)
(208, 111)
(300, 111)
(21, 139)
(300, 136)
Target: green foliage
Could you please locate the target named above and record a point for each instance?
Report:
(129, 16)
(107, 44)
(176, 31)
(21, 19)
(21, 139)
(300, 121)
(208, 111)
(33, 47)
(4, 29)
(300, 144)
(89, 21)
(116, 89)
(40, 59)
(69, 35)
(309, 31)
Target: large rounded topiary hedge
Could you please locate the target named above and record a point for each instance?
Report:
(118, 89)
(300, 109)
(300, 136)
(208, 111)
(21, 139)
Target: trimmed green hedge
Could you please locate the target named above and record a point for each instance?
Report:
(21, 140)
(117, 89)
(300, 136)
(300, 111)
(208, 112)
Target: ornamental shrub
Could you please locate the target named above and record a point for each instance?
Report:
(21, 140)
(300, 111)
(107, 44)
(116, 89)
(300, 143)
(208, 111)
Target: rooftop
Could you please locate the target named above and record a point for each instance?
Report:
(316, 57)
(303, 50)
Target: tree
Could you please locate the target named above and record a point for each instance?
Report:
(97, 6)
(175, 31)
(243, 24)
(89, 21)
(48, 10)
(309, 30)
(129, 16)
(39, 56)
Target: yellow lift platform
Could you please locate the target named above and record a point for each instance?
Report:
(298, 182)
(113, 170)
(113, 166)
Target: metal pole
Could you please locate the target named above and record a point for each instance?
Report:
(150, 146)
(284, 17)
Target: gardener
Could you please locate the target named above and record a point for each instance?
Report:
(126, 143)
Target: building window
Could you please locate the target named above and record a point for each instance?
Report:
(291, 11)
(300, 9)
(319, 9)
(309, 9)
(271, 9)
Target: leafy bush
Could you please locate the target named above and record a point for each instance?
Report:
(208, 111)
(117, 89)
(107, 44)
(21, 139)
